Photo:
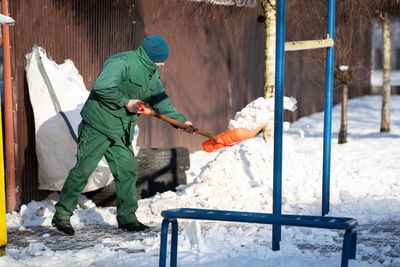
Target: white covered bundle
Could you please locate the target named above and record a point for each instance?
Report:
(55, 147)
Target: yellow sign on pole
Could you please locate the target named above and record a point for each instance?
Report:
(3, 225)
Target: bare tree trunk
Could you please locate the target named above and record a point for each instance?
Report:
(343, 122)
(269, 7)
(270, 43)
(385, 122)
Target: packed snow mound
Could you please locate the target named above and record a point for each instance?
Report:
(259, 113)
(238, 178)
(231, 181)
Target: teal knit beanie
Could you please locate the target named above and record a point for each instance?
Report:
(156, 48)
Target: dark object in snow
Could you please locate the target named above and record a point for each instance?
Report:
(134, 226)
(63, 225)
(160, 170)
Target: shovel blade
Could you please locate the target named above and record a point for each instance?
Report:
(230, 138)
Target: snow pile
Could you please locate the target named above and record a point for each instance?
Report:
(241, 178)
(38, 213)
(259, 113)
(238, 177)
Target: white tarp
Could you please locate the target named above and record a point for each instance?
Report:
(55, 147)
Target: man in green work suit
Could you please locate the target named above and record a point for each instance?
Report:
(107, 127)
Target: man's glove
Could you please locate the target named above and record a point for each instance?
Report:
(190, 129)
(133, 106)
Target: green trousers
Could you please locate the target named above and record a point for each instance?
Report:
(92, 146)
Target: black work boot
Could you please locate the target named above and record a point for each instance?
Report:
(63, 225)
(134, 226)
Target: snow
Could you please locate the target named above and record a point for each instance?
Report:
(365, 184)
(6, 19)
(259, 113)
(377, 78)
(240, 3)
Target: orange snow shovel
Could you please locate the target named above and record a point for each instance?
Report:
(216, 142)
(230, 138)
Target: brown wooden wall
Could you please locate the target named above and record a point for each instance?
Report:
(86, 32)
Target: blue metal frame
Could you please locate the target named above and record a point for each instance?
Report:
(279, 84)
(171, 216)
(326, 170)
(326, 222)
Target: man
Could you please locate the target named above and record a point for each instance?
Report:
(107, 127)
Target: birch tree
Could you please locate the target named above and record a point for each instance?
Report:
(387, 58)
(384, 9)
(269, 8)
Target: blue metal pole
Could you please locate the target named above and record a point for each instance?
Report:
(278, 130)
(328, 110)
(174, 243)
(163, 244)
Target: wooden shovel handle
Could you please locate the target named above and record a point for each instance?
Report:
(181, 125)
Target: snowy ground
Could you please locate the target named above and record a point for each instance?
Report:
(365, 184)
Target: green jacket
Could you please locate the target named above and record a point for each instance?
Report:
(127, 75)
